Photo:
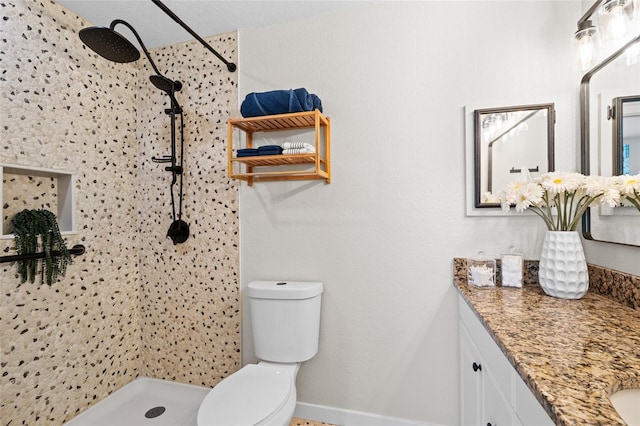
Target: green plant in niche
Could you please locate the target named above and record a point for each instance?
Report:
(28, 225)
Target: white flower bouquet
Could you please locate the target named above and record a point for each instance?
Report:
(560, 198)
(629, 187)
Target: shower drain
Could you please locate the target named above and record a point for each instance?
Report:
(154, 412)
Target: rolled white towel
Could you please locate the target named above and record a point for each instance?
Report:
(297, 145)
(292, 151)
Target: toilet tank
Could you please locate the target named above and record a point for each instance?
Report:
(285, 317)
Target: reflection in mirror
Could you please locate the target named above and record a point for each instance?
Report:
(626, 135)
(603, 140)
(509, 143)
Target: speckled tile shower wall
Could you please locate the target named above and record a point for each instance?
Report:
(133, 304)
(42, 195)
(190, 293)
(65, 346)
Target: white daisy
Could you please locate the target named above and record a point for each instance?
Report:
(528, 194)
(561, 198)
(522, 195)
(629, 184)
(606, 188)
(560, 182)
(488, 197)
(509, 195)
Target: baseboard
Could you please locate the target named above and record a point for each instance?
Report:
(342, 417)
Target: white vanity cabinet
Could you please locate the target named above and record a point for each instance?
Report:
(491, 391)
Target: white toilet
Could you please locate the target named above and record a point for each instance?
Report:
(285, 317)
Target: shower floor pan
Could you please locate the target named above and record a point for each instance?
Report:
(146, 401)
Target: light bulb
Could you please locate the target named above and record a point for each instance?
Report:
(586, 52)
(615, 20)
(585, 45)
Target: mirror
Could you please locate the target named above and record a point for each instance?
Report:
(610, 144)
(625, 113)
(508, 140)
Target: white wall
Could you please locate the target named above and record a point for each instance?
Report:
(395, 77)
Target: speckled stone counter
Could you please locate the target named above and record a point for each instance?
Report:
(571, 353)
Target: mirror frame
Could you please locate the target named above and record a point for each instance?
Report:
(617, 118)
(585, 139)
(477, 141)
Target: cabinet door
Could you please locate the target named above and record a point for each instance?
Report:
(494, 394)
(470, 380)
(497, 410)
(528, 409)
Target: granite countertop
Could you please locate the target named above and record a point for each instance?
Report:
(572, 354)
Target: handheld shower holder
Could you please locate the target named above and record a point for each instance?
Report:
(163, 159)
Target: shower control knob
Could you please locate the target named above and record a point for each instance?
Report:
(477, 367)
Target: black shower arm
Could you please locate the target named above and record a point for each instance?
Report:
(135, 33)
(230, 65)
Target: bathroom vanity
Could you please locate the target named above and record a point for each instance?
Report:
(491, 391)
(531, 359)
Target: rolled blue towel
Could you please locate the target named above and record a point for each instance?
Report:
(279, 102)
(246, 152)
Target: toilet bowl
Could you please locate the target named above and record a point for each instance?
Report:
(285, 318)
(256, 395)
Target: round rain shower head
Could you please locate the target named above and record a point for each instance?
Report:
(165, 84)
(109, 44)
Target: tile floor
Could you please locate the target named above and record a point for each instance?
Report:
(302, 422)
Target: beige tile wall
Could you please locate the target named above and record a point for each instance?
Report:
(26, 192)
(134, 303)
(190, 310)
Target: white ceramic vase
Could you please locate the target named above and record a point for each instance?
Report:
(563, 268)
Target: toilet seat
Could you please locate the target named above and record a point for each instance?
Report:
(245, 398)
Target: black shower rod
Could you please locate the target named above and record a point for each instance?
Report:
(78, 249)
(230, 65)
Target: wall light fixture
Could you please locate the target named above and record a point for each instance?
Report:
(607, 25)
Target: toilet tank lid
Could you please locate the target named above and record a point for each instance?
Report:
(284, 289)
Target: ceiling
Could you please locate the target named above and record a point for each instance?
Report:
(205, 17)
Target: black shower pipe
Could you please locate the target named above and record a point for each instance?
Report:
(78, 249)
(230, 65)
(135, 33)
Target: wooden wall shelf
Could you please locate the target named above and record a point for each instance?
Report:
(251, 169)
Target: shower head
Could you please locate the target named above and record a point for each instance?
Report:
(169, 87)
(115, 47)
(165, 84)
(112, 45)
(109, 44)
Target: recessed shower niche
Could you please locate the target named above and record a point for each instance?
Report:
(36, 188)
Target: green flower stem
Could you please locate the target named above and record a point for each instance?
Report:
(574, 204)
(576, 219)
(558, 202)
(565, 214)
(548, 220)
(634, 200)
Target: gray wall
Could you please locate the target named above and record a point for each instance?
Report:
(395, 78)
